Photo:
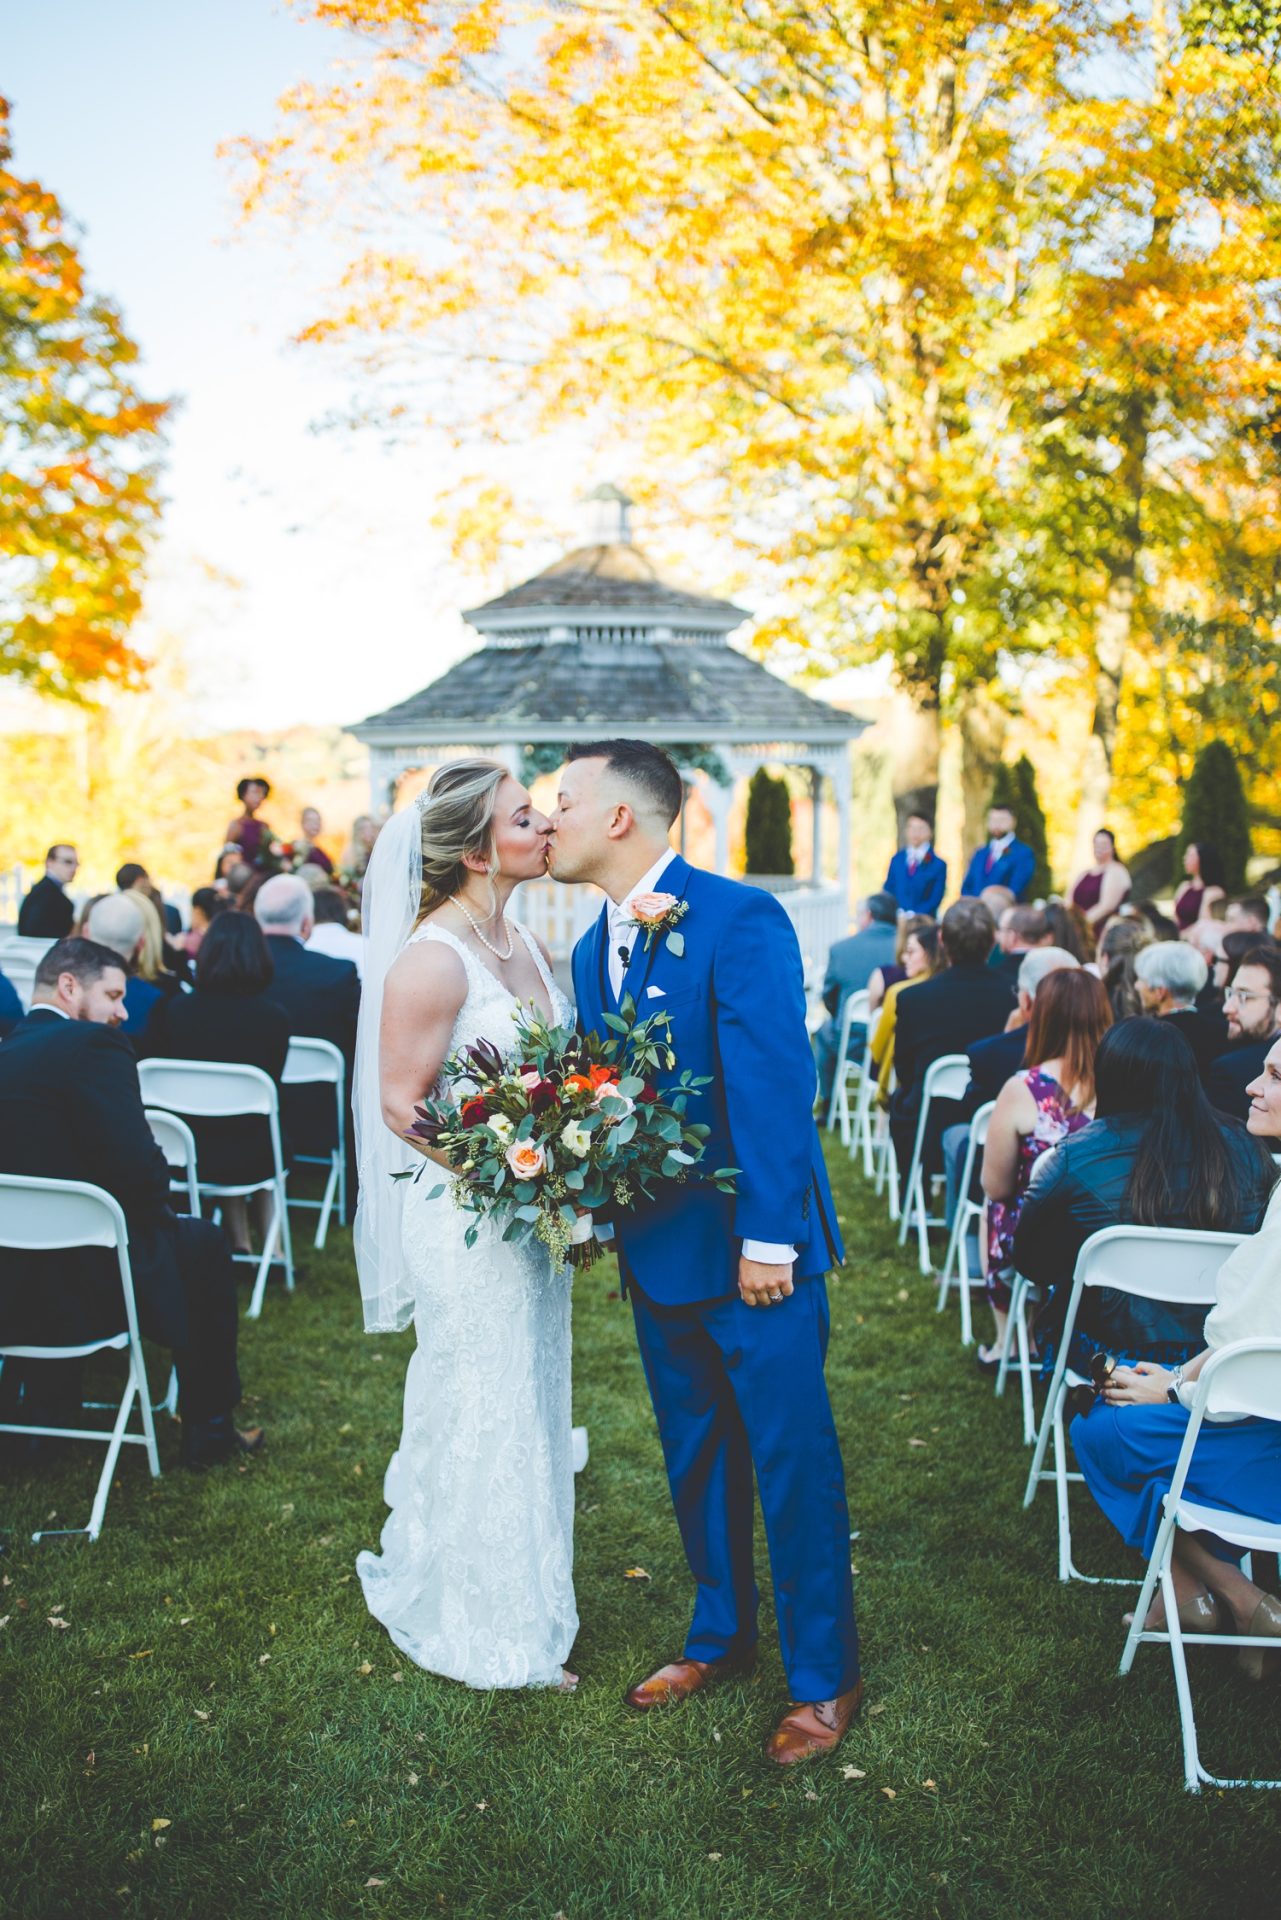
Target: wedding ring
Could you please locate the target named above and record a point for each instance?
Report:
(776, 1296)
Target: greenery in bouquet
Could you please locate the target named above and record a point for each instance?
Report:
(570, 1133)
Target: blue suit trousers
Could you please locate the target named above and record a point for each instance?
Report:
(739, 1393)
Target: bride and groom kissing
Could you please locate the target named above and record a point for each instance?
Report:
(474, 1579)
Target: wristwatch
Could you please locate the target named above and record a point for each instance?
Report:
(1172, 1391)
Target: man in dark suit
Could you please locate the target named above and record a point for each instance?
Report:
(1004, 862)
(321, 997)
(46, 913)
(1169, 975)
(1018, 931)
(917, 877)
(1251, 1006)
(965, 1002)
(70, 1109)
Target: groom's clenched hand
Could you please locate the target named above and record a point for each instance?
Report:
(763, 1283)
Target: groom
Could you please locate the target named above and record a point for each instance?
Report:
(727, 1289)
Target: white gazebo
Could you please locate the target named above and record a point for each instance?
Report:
(598, 645)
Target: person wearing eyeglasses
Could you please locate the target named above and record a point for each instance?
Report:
(1252, 1009)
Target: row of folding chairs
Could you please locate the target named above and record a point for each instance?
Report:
(20, 955)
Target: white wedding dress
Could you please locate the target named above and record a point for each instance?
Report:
(475, 1577)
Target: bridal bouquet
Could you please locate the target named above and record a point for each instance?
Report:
(577, 1129)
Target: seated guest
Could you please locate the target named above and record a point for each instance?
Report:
(1004, 861)
(118, 921)
(1169, 975)
(229, 1017)
(1157, 1155)
(917, 877)
(206, 902)
(46, 913)
(321, 999)
(1120, 944)
(308, 853)
(993, 1060)
(1202, 884)
(1250, 1007)
(850, 965)
(923, 957)
(10, 1005)
(131, 877)
(1249, 915)
(883, 978)
(1070, 930)
(1048, 1099)
(963, 1003)
(1128, 1444)
(70, 1109)
(331, 933)
(997, 900)
(1105, 885)
(1018, 931)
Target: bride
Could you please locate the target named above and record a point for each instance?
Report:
(475, 1577)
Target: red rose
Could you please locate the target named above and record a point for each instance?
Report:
(474, 1112)
(542, 1097)
(647, 1096)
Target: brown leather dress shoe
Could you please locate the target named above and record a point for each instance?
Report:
(681, 1678)
(813, 1728)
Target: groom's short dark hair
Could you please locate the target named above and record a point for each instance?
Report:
(645, 766)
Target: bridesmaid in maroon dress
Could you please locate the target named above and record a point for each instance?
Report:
(1204, 883)
(1105, 886)
(252, 835)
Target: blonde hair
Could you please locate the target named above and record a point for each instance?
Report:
(150, 964)
(457, 811)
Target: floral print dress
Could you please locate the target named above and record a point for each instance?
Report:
(1056, 1118)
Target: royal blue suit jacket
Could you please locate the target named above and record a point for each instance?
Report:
(918, 890)
(736, 1002)
(1013, 869)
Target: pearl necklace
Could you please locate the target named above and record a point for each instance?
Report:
(475, 927)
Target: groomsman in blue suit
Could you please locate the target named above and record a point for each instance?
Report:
(1004, 861)
(727, 1290)
(917, 877)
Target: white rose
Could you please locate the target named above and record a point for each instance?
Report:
(576, 1138)
(502, 1127)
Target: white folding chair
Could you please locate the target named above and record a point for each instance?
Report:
(1175, 1264)
(945, 1079)
(1243, 1378)
(969, 1212)
(20, 972)
(863, 1138)
(853, 1011)
(1023, 1295)
(207, 1090)
(887, 1175)
(51, 1216)
(320, 1063)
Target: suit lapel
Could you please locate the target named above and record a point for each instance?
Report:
(675, 880)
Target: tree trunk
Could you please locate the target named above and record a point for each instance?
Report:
(983, 726)
(914, 760)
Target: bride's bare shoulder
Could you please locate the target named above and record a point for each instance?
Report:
(428, 967)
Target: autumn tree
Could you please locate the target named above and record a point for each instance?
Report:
(777, 246)
(78, 456)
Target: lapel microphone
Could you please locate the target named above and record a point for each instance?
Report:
(625, 955)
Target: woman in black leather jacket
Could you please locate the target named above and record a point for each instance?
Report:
(1156, 1155)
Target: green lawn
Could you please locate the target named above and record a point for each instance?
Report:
(218, 1674)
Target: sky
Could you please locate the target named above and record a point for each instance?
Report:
(298, 569)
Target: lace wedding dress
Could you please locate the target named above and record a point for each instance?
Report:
(475, 1577)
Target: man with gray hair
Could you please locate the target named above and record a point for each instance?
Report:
(321, 996)
(1169, 975)
(116, 921)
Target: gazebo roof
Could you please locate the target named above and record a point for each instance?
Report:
(666, 691)
(599, 642)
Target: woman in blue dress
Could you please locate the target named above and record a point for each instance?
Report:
(1128, 1444)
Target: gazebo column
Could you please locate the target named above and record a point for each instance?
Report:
(842, 780)
(816, 826)
(719, 801)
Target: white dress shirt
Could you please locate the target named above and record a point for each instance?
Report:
(622, 933)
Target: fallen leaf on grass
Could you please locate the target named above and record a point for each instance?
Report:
(366, 1666)
(412, 1779)
(145, 1654)
(902, 1294)
(810, 1794)
(5, 1619)
(716, 1856)
(636, 1573)
(889, 1793)
(200, 1713)
(397, 1676)
(929, 1786)
(158, 1826)
(878, 1708)
(346, 1428)
(374, 1881)
(186, 1620)
(918, 1443)
(55, 1622)
(263, 1658)
(853, 1773)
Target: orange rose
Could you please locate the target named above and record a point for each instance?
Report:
(649, 908)
(576, 1083)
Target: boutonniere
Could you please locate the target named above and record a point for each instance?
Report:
(656, 913)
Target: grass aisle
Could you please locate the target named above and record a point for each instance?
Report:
(219, 1729)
